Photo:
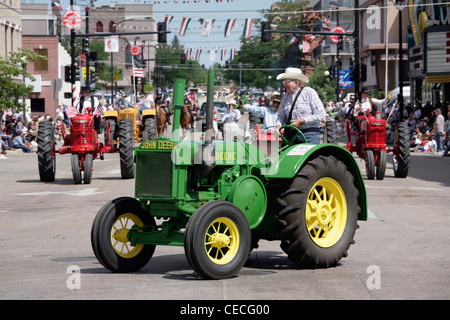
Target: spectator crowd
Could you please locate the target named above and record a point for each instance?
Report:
(429, 125)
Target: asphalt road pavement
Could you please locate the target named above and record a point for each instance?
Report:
(400, 252)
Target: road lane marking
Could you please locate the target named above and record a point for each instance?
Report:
(406, 188)
(79, 193)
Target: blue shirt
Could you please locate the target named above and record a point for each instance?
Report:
(270, 116)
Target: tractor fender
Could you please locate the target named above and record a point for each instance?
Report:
(110, 114)
(295, 157)
(148, 112)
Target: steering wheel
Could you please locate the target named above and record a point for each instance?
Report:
(292, 140)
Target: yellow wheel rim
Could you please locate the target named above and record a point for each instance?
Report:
(222, 241)
(119, 235)
(326, 212)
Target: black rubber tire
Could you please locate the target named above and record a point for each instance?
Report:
(296, 241)
(195, 235)
(149, 129)
(88, 164)
(381, 167)
(370, 164)
(46, 152)
(126, 149)
(402, 146)
(330, 134)
(101, 236)
(76, 172)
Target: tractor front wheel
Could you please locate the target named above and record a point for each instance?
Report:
(370, 164)
(381, 167)
(217, 240)
(109, 236)
(319, 215)
(76, 171)
(88, 165)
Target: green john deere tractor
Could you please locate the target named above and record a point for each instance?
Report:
(218, 198)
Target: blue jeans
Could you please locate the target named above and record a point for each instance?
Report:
(311, 137)
(438, 138)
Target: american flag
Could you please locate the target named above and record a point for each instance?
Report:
(71, 112)
(98, 110)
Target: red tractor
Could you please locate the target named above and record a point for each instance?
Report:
(371, 145)
(83, 144)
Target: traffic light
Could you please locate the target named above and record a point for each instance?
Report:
(68, 73)
(340, 44)
(85, 44)
(92, 74)
(354, 74)
(162, 35)
(363, 75)
(183, 58)
(265, 28)
(77, 75)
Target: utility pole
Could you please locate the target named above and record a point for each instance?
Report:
(87, 52)
(72, 59)
(356, 47)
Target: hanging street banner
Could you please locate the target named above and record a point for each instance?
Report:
(335, 39)
(72, 19)
(135, 50)
(138, 72)
(112, 44)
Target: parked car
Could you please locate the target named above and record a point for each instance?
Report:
(220, 107)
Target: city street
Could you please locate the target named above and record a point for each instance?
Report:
(400, 252)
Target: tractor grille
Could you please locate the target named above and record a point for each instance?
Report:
(154, 175)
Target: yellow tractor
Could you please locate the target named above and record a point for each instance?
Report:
(144, 127)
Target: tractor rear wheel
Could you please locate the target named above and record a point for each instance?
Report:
(370, 164)
(401, 152)
(109, 236)
(126, 149)
(88, 164)
(217, 240)
(330, 134)
(149, 129)
(319, 215)
(76, 171)
(46, 152)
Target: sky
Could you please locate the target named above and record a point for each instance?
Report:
(220, 11)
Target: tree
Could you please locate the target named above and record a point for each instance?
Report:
(324, 85)
(12, 73)
(274, 56)
(169, 67)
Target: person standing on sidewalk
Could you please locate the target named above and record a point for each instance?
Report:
(438, 129)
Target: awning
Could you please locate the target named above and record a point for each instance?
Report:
(442, 78)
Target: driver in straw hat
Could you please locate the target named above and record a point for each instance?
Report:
(307, 109)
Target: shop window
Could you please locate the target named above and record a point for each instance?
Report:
(41, 65)
(37, 105)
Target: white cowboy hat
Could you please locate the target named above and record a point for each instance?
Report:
(232, 102)
(293, 73)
